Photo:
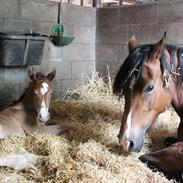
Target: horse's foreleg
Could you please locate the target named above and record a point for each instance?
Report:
(20, 162)
(171, 140)
(168, 160)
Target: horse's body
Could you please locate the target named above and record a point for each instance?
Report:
(151, 79)
(29, 114)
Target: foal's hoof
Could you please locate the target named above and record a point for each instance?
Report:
(169, 141)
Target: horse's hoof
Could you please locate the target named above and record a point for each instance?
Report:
(169, 141)
(143, 159)
(147, 160)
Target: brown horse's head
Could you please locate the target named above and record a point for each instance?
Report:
(42, 93)
(143, 80)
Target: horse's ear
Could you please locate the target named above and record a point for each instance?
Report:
(51, 75)
(158, 48)
(132, 43)
(31, 75)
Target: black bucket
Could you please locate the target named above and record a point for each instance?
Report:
(21, 50)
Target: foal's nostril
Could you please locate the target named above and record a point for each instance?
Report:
(39, 115)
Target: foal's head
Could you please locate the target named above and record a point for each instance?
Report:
(42, 93)
(143, 80)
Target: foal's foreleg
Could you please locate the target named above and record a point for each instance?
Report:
(52, 129)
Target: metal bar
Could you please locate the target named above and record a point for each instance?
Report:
(26, 51)
(58, 18)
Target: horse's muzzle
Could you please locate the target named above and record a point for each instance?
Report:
(132, 143)
(127, 145)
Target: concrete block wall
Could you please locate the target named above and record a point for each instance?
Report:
(70, 62)
(101, 37)
(114, 26)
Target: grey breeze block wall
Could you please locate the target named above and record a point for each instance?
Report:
(101, 38)
(114, 26)
(70, 62)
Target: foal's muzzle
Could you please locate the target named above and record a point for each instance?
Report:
(43, 118)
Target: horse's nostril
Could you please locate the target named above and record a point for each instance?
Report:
(131, 146)
(127, 145)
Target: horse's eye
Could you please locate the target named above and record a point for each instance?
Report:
(148, 88)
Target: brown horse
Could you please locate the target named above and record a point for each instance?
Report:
(151, 78)
(30, 114)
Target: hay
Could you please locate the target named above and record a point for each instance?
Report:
(88, 152)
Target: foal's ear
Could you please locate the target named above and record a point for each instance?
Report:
(31, 75)
(132, 43)
(51, 75)
(158, 48)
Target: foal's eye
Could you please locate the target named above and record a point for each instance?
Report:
(35, 93)
(148, 88)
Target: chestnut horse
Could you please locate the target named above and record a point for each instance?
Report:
(30, 114)
(151, 78)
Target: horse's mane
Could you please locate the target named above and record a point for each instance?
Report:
(134, 62)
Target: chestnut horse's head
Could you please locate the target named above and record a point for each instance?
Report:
(143, 79)
(42, 93)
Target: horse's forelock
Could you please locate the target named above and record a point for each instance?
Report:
(130, 69)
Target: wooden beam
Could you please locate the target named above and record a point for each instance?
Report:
(96, 3)
(81, 2)
(120, 2)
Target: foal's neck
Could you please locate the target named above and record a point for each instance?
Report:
(28, 99)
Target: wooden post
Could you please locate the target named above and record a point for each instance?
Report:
(96, 3)
(120, 2)
(81, 2)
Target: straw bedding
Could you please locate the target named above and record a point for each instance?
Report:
(88, 150)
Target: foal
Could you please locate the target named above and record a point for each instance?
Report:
(30, 114)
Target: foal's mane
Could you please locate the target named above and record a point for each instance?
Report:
(134, 62)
